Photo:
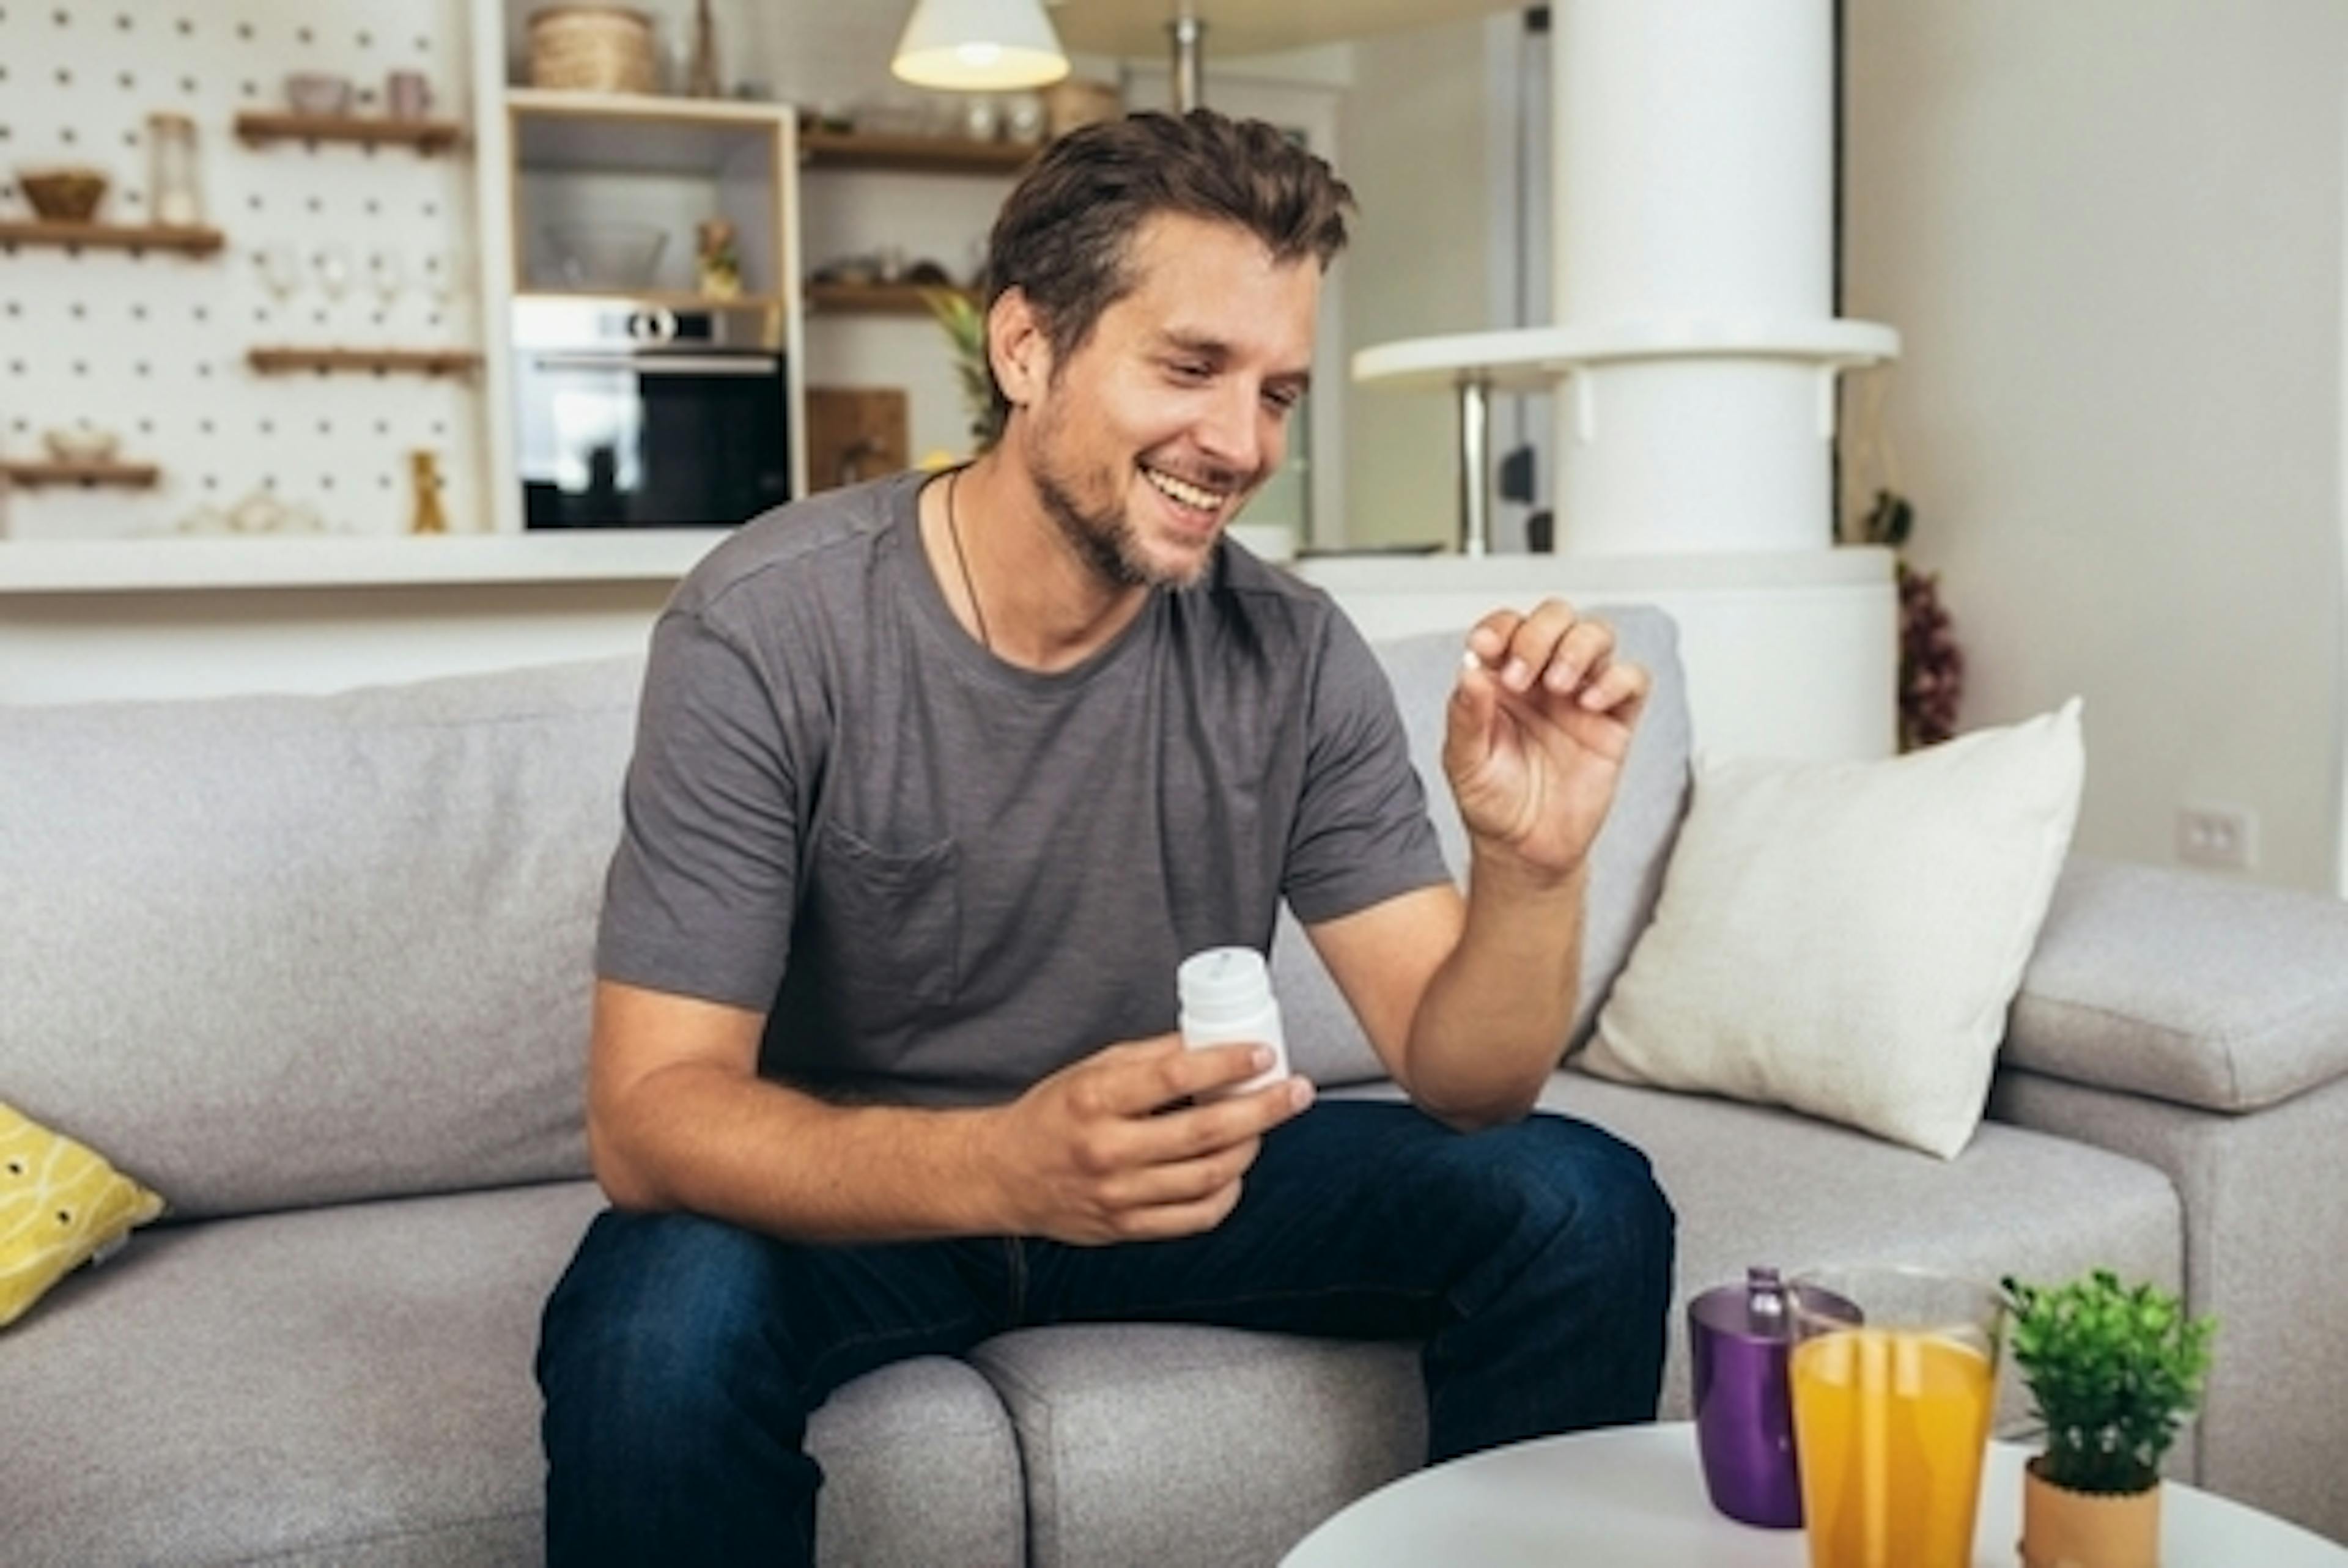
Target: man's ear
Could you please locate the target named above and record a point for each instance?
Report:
(1017, 348)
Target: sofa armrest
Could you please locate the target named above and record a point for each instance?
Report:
(2185, 988)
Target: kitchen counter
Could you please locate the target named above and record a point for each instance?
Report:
(107, 620)
(142, 566)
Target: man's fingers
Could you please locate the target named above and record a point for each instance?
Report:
(1620, 690)
(1182, 1182)
(1533, 643)
(1581, 654)
(1552, 648)
(1489, 639)
(1147, 1075)
(1202, 1131)
(1164, 1222)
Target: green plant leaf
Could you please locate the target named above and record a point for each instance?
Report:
(2114, 1369)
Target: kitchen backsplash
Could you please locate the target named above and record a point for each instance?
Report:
(327, 244)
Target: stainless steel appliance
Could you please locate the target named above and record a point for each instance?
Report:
(642, 416)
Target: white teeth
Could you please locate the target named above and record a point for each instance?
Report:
(1189, 495)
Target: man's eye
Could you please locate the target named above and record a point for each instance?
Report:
(1190, 370)
(1280, 398)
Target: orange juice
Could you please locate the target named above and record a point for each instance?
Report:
(1889, 1426)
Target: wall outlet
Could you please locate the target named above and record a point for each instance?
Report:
(2226, 837)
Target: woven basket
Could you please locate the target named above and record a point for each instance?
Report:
(591, 48)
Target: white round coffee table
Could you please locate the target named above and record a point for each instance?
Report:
(1633, 1497)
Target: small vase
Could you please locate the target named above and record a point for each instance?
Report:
(2066, 1529)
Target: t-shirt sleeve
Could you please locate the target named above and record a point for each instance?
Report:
(703, 887)
(1362, 834)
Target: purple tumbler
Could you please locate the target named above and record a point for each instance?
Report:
(1738, 1337)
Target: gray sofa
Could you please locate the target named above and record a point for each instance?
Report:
(316, 969)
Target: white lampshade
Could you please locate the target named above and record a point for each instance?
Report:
(979, 46)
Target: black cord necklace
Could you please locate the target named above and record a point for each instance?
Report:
(969, 588)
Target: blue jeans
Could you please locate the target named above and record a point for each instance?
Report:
(680, 1357)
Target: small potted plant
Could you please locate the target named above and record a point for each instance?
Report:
(2114, 1369)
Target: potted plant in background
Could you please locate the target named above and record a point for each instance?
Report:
(2113, 1369)
(964, 325)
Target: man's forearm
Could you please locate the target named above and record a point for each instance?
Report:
(1489, 1028)
(774, 1159)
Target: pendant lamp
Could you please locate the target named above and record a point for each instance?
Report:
(979, 46)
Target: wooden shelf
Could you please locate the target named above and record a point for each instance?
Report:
(676, 299)
(875, 299)
(914, 154)
(381, 361)
(112, 236)
(125, 475)
(642, 107)
(425, 136)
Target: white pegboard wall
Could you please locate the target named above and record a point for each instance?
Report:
(152, 344)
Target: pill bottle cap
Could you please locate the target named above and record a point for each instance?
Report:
(1223, 983)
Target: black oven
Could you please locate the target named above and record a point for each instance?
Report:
(636, 416)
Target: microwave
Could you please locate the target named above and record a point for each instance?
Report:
(640, 415)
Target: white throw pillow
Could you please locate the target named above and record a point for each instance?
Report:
(1844, 938)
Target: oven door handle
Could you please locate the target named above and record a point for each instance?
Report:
(660, 364)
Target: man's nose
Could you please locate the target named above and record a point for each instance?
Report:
(1231, 432)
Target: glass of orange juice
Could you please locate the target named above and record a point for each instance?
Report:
(1892, 1414)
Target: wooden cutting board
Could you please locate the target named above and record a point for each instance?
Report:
(854, 432)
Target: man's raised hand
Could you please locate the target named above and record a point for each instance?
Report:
(1539, 724)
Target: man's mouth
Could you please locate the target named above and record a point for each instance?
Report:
(1182, 493)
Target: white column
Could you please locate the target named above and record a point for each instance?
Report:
(1693, 158)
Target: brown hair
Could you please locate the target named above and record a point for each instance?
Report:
(1063, 234)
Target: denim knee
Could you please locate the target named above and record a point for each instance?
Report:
(657, 1331)
(1555, 1177)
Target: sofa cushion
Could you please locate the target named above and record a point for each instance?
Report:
(1158, 1446)
(352, 1386)
(292, 949)
(1844, 938)
(1757, 1185)
(1626, 864)
(2185, 986)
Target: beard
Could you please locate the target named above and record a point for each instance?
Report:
(1103, 538)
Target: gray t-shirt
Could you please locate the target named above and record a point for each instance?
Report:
(942, 877)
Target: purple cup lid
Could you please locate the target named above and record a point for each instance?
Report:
(1758, 1308)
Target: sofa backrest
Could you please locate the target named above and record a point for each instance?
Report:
(270, 951)
(266, 952)
(1626, 867)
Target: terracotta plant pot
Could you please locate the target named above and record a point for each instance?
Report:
(2066, 1529)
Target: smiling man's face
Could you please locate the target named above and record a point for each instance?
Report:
(1148, 439)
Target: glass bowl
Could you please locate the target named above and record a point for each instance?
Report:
(603, 255)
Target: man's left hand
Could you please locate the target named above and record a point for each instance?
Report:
(1538, 726)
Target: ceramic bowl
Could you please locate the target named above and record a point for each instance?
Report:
(318, 93)
(76, 446)
(64, 195)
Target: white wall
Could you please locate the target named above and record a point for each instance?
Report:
(2109, 232)
(1413, 147)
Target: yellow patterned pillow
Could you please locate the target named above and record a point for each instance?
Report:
(59, 1204)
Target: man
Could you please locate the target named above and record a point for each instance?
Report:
(938, 779)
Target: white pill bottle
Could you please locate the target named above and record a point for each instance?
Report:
(1226, 996)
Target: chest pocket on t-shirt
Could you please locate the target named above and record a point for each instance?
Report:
(888, 923)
